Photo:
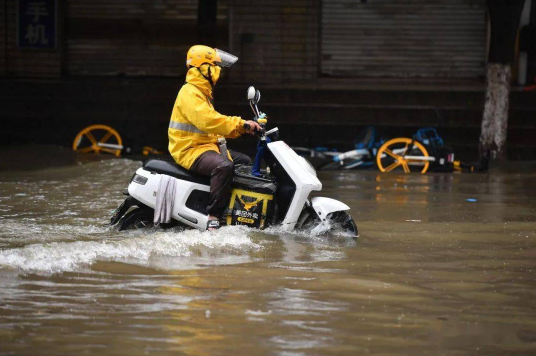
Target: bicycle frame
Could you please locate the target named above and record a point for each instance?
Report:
(401, 151)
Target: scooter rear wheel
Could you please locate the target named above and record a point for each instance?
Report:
(137, 218)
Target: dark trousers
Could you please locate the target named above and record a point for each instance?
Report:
(221, 171)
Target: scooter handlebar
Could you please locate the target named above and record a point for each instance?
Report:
(257, 132)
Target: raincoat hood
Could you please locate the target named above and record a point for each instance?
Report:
(195, 77)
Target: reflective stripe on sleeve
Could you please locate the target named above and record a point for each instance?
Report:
(185, 127)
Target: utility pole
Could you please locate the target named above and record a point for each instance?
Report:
(504, 16)
(528, 42)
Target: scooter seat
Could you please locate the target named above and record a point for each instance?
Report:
(170, 168)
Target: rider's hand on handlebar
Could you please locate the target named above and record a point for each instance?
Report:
(251, 127)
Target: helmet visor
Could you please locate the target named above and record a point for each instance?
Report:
(225, 59)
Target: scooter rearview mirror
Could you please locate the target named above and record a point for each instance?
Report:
(257, 96)
(251, 93)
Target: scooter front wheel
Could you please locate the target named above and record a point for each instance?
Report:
(341, 220)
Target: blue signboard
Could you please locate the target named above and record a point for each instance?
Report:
(37, 24)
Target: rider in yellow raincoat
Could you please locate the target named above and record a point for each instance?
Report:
(195, 127)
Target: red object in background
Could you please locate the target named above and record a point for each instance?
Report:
(530, 87)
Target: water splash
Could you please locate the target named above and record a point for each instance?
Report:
(135, 248)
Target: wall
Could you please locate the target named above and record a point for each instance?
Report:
(3, 34)
(133, 37)
(105, 47)
(276, 41)
(139, 108)
(103, 38)
(27, 63)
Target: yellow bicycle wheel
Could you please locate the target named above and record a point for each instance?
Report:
(392, 156)
(97, 139)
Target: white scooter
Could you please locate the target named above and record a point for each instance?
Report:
(278, 195)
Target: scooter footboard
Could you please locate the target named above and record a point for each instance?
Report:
(324, 206)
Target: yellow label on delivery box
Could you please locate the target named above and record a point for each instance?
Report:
(245, 220)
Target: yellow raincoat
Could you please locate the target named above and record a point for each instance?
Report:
(195, 126)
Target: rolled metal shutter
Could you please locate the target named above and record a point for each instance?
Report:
(133, 37)
(403, 38)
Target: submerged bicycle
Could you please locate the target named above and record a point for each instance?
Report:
(362, 156)
(424, 151)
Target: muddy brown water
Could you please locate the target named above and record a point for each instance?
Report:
(431, 274)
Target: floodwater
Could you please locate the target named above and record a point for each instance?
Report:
(432, 273)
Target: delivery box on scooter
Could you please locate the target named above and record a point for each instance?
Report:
(252, 200)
